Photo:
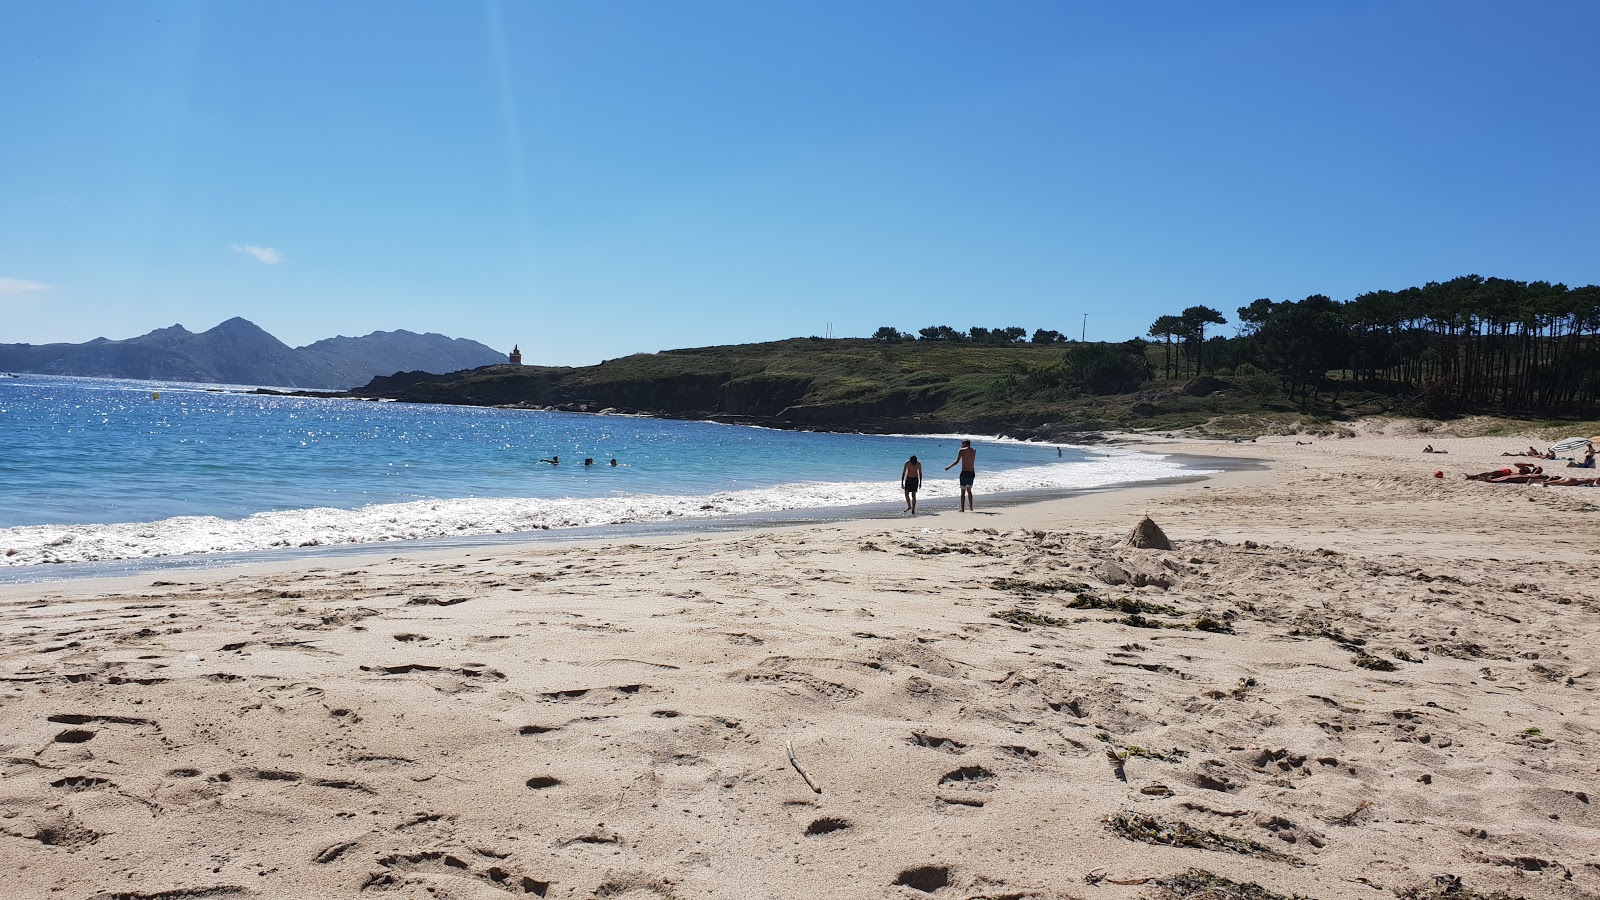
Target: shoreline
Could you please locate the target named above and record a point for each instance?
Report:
(135, 566)
(1348, 679)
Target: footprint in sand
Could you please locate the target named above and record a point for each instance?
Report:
(970, 777)
(926, 879)
(593, 838)
(416, 870)
(826, 825)
(604, 695)
(468, 677)
(963, 788)
(332, 852)
(810, 684)
(53, 830)
(80, 783)
(633, 885)
(933, 742)
(81, 719)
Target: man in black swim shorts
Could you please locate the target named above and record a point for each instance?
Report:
(967, 457)
(910, 480)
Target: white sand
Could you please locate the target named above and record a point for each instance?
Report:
(602, 720)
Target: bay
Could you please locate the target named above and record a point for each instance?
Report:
(94, 469)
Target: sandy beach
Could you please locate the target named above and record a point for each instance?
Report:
(1349, 679)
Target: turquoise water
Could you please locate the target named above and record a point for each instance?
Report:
(99, 469)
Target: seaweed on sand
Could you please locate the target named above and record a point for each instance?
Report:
(1545, 672)
(1132, 605)
(1238, 692)
(1139, 621)
(1150, 830)
(1024, 586)
(1449, 887)
(1353, 817)
(1023, 617)
(1123, 752)
(936, 549)
(1310, 626)
(1198, 884)
(1465, 650)
(1213, 624)
(1375, 663)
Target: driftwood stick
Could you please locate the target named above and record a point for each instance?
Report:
(796, 763)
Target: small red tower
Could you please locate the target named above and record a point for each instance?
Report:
(516, 355)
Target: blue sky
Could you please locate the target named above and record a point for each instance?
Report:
(600, 178)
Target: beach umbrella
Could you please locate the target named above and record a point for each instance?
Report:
(1571, 443)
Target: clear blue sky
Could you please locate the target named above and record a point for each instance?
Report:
(590, 179)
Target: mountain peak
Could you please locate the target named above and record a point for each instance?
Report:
(237, 324)
(239, 351)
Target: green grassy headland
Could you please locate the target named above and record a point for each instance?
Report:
(911, 386)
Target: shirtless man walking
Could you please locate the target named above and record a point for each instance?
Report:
(910, 480)
(967, 457)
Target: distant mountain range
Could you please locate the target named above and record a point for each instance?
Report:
(239, 352)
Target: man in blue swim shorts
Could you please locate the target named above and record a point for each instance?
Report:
(967, 457)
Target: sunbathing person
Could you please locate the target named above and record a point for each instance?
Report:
(1521, 478)
(1588, 460)
(1571, 480)
(1429, 449)
(1496, 474)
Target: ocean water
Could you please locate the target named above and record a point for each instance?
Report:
(103, 469)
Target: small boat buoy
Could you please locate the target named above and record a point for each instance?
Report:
(155, 395)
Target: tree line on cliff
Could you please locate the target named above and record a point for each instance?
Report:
(1470, 343)
(977, 334)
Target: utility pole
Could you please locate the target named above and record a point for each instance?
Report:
(1082, 335)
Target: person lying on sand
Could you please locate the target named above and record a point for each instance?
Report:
(1495, 474)
(1531, 451)
(1588, 460)
(1570, 480)
(1429, 449)
(1534, 477)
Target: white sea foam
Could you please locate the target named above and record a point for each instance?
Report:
(38, 544)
